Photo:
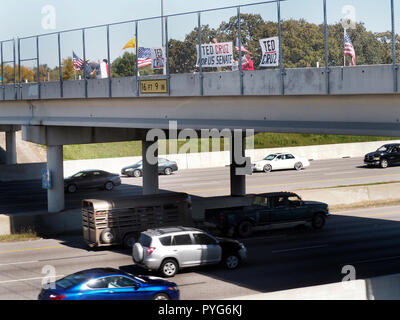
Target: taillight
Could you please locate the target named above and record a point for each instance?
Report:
(150, 250)
(56, 297)
(222, 217)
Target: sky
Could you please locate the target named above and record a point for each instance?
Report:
(48, 16)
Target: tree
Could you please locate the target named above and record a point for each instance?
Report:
(68, 71)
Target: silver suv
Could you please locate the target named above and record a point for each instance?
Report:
(169, 249)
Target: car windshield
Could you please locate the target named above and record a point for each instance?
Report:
(138, 163)
(79, 174)
(135, 277)
(71, 280)
(383, 149)
(270, 157)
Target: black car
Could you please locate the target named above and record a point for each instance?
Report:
(91, 179)
(165, 166)
(387, 155)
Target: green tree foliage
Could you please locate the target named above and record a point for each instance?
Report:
(124, 66)
(303, 43)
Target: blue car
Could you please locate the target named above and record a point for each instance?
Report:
(109, 284)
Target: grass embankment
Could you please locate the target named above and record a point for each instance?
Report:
(261, 141)
(25, 236)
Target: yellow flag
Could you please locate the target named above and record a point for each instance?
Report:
(131, 44)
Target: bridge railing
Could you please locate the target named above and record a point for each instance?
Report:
(29, 59)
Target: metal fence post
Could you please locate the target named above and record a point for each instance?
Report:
(2, 71)
(240, 50)
(109, 62)
(395, 67)
(282, 70)
(15, 72)
(60, 73)
(137, 63)
(84, 62)
(200, 54)
(167, 56)
(38, 67)
(19, 68)
(327, 70)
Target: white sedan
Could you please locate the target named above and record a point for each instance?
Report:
(278, 161)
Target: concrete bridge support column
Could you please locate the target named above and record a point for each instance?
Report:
(11, 147)
(150, 171)
(55, 195)
(238, 181)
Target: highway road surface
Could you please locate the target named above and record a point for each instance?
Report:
(24, 196)
(367, 239)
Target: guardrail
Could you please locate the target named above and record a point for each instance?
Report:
(17, 51)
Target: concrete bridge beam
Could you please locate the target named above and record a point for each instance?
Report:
(55, 195)
(150, 171)
(11, 147)
(237, 153)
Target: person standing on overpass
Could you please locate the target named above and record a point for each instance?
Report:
(248, 64)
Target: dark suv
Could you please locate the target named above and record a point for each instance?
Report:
(275, 209)
(387, 155)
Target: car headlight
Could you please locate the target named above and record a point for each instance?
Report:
(174, 288)
(377, 158)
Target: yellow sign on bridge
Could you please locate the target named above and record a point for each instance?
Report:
(153, 86)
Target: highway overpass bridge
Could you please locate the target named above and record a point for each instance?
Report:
(361, 100)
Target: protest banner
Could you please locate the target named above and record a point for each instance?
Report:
(270, 52)
(157, 58)
(214, 55)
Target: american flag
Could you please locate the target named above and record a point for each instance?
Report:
(144, 57)
(78, 62)
(349, 49)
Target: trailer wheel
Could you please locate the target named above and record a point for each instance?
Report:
(130, 240)
(107, 236)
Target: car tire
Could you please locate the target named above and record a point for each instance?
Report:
(107, 236)
(318, 221)
(161, 296)
(137, 252)
(167, 171)
(231, 261)
(109, 185)
(137, 173)
(267, 168)
(298, 166)
(245, 229)
(72, 188)
(384, 163)
(129, 240)
(169, 268)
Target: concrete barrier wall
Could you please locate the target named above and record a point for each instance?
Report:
(350, 195)
(377, 288)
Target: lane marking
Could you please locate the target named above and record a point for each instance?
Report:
(301, 248)
(28, 279)
(15, 263)
(375, 260)
(31, 249)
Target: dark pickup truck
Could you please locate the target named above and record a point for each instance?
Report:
(267, 209)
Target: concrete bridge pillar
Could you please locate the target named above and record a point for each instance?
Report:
(237, 153)
(150, 171)
(11, 147)
(55, 195)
